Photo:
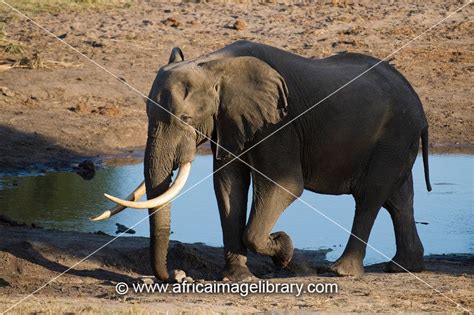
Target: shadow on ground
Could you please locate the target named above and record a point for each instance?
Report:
(26, 251)
(28, 152)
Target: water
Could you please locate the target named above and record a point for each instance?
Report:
(65, 201)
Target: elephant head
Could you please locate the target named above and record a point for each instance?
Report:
(226, 100)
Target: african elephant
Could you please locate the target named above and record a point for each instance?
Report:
(362, 140)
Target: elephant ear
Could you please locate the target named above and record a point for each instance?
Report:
(252, 96)
(176, 55)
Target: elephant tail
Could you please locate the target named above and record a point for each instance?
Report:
(424, 149)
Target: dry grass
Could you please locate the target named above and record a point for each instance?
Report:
(53, 6)
(34, 63)
(13, 49)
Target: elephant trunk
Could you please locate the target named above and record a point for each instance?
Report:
(158, 171)
(159, 241)
(167, 148)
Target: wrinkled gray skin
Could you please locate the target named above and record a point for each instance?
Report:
(361, 141)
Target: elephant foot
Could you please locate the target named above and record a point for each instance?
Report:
(237, 273)
(408, 263)
(348, 266)
(285, 252)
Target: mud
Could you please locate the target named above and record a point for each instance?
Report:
(31, 257)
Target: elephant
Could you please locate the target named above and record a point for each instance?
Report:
(255, 103)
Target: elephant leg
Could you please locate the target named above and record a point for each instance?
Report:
(409, 253)
(373, 189)
(277, 183)
(231, 185)
(269, 202)
(351, 261)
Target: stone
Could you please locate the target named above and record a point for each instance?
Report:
(188, 280)
(147, 280)
(239, 25)
(178, 275)
(6, 91)
(173, 22)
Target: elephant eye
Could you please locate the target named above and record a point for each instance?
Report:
(186, 118)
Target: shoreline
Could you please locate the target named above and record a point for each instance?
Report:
(30, 257)
(135, 156)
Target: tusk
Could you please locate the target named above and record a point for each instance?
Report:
(134, 196)
(162, 199)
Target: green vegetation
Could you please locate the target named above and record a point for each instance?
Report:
(8, 46)
(13, 48)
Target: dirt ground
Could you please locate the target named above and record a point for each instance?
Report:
(57, 106)
(30, 257)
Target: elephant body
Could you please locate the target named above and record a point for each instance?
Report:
(378, 111)
(362, 140)
(256, 104)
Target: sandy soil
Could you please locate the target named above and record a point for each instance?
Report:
(57, 106)
(30, 257)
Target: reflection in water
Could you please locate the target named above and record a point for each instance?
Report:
(65, 201)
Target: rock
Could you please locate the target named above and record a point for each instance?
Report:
(107, 110)
(4, 283)
(94, 43)
(171, 22)
(123, 229)
(178, 275)
(86, 169)
(7, 221)
(239, 25)
(79, 108)
(6, 91)
(147, 279)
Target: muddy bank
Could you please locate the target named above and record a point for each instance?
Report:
(30, 257)
(58, 108)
